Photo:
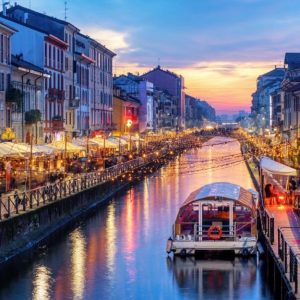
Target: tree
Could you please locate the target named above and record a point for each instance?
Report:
(33, 116)
(14, 95)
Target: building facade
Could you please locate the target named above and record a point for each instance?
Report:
(85, 75)
(125, 113)
(141, 89)
(261, 109)
(6, 31)
(166, 110)
(27, 83)
(174, 85)
(101, 87)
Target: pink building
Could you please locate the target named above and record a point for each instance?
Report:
(174, 85)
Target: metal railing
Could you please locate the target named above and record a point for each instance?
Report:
(23, 201)
(192, 231)
(289, 256)
(268, 225)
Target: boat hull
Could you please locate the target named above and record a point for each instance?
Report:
(245, 247)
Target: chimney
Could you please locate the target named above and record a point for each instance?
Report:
(4, 6)
(25, 17)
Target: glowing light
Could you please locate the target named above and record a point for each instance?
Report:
(41, 283)
(111, 233)
(78, 254)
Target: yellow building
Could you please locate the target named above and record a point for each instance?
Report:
(125, 111)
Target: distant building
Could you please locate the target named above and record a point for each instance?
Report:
(194, 112)
(174, 85)
(261, 100)
(277, 106)
(290, 99)
(125, 112)
(166, 110)
(209, 113)
(142, 89)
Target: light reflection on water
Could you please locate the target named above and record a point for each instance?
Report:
(78, 258)
(119, 253)
(42, 279)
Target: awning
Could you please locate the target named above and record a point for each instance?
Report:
(101, 143)
(61, 146)
(83, 142)
(274, 167)
(44, 149)
(117, 141)
(12, 149)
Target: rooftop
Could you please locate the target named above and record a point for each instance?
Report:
(25, 9)
(17, 61)
(276, 72)
(292, 58)
(2, 24)
(158, 68)
(219, 191)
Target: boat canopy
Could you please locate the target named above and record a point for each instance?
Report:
(221, 190)
(274, 167)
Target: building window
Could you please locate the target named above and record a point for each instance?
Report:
(61, 60)
(1, 48)
(46, 55)
(66, 64)
(1, 81)
(50, 56)
(54, 59)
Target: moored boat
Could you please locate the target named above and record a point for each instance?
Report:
(219, 216)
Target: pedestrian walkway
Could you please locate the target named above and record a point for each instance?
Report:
(281, 228)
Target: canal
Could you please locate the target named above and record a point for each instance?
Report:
(119, 252)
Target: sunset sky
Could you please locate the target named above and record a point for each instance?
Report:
(219, 46)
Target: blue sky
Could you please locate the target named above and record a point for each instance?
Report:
(220, 46)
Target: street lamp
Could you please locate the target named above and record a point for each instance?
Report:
(65, 154)
(128, 125)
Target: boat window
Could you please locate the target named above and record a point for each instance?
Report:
(239, 208)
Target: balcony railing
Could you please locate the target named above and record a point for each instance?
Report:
(55, 94)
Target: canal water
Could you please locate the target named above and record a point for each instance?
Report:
(119, 252)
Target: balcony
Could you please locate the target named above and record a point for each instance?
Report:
(74, 103)
(55, 94)
(57, 123)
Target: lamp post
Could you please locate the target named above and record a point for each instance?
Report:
(104, 151)
(128, 125)
(65, 156)
(87, 143)
(30, 160)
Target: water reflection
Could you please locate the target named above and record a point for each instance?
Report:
(213, 279)
(41, 283)
(119, 253)
(111, 234)
(78, 256)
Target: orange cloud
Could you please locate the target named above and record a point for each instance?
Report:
(226, 85)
